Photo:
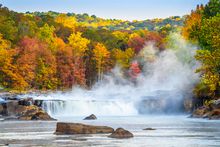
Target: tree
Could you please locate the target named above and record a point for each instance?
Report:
(46, 34)
(209, 37)
(78, 44)
(210, 70)
(136, 41)
(67, 21)
(36, 63)
(134, 70)
(9, 76)
(193, 24)
(123, 58)
(101, 57)
(212, 8)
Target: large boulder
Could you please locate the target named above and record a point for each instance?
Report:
(78, 128)
(121, 133)
(90, 117)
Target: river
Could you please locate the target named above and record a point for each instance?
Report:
(171, 131)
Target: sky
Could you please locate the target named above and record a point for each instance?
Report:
(118, 9)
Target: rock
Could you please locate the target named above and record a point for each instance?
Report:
(34, 113)
(215, 104)
(1, 109)
(207, 112)
(78, 128)
(26, 102)
(121, 133)
(188, 104)
(11, 107)
(151, 129)
(38, 103)
(10, 118)
(215, 114)
(90, 117)
(200, 112)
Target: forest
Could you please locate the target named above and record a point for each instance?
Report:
(56, 51)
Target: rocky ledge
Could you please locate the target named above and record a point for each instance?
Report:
(22, 109)
(211, 111)
(78, 128)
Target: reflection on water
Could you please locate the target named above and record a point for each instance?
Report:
(170, 131)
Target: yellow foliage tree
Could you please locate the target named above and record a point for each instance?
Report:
(101, 56)
(9, 76)
(123, 58)
(67, 21)
(78, 44)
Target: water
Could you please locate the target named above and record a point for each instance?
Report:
(171, 131)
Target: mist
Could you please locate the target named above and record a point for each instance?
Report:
(166, 79)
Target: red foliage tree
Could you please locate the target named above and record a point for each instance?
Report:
(134, 70)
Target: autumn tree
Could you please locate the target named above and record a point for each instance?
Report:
(134, 70)
(67, 21)
(9, 76)
(123, 58)
(36, 64)
(136, 41)
(193, 24)
(79, 46)
(101, 57)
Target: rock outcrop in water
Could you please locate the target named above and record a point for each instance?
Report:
(34, 113)
(212, 111)
(13, 108)
(90, 117)
(121, 133)
(78, 128)
(149, 129)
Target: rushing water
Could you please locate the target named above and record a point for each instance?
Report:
(171, 131)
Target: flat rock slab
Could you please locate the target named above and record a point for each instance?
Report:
(121, 133)
(149, 129)
(78, 128)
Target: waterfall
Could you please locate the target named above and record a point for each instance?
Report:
(166, 79)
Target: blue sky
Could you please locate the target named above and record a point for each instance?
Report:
(119, 9)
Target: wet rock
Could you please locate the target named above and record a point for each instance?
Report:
(121, 133)
(90, 117)
(11, 118)
(26, 102)
(78, 128)
(215, 114)
(206, 112)
(215, 104)
(188, 104)
(200, 112)
(11, 107)
(38, 103)
(1, 109)
(150, 129)
(34, 113)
